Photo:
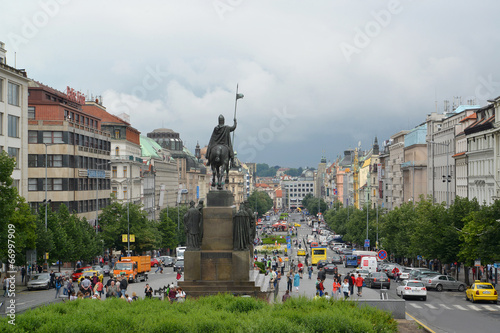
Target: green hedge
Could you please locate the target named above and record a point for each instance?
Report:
(261, 266)
(272, 240)
(222, 313)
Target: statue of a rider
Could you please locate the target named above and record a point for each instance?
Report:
(221, 136)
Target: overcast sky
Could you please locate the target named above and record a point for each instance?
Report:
(318, 76)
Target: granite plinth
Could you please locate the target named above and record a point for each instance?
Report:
(217, 228)
(220, 199)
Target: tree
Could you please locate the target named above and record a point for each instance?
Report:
(116, 219)
(260, 201)
(292, 172)
(168, 231)
(16, 218)
(263, 170)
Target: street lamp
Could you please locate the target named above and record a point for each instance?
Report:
(46, 202)
(446, 178)
(97, 196)
(367, 208)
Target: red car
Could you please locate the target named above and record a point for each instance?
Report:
(76, 274)
(155, 262)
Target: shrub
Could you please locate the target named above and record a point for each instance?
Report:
(221, 313)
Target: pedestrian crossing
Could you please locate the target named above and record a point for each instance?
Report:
(477, 307)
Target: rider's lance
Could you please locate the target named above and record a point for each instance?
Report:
(238, 96)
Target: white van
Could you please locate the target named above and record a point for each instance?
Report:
(369, 263)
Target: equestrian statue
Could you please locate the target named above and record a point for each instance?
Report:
(220, 153)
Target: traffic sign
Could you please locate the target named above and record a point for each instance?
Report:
(419, 257)
(496, 265)
(367, 243)
(477, 262)
(288, 245)
(382, 254)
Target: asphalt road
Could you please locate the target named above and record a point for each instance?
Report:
(445, 311)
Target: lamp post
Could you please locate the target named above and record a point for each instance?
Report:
(446, 178)
(367, 208)
(46, 201)
(97, 196)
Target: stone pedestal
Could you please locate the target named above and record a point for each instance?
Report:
(220, 199)
(217, 268)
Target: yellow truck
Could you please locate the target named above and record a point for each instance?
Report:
(134, 268)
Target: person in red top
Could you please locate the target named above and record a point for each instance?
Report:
(301, 269)
(395, 273)
(336, 289)
(359, 284)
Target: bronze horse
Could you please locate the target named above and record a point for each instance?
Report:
(219, 162)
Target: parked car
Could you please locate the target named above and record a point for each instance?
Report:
(419, 275)
(411, 288)
(363, 272)
(321, 263)
(78, 272)
(106, 269)
(440, 282)
(330, 268)
(336, 259)
(155, 262)
(405, 273)
(39, 281)
(481, 291)
(168, 261)
(179, 266)
(378, 280)
(90, 273)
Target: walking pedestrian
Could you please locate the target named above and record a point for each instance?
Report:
(286, 296)
(345, 288)
(289, 279)
(352, 282)
(5, 283)
(123, 285)
(23, 273)
(58, 287)
(336, 288)
(310, 271)
(148, 291)
(359, 284)
(296, 281)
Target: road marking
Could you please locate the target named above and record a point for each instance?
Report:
(445, 306)
(416, 306)
(460, 307)
(473, 307)
(487, 307)
(431, 306)
(419, 322)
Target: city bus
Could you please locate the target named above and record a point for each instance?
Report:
(317, 254)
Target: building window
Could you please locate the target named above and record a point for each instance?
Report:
(1, 90)
(13, 94)
(117, 151)
(117, 134)
(53, 184)
(32, 161)
(125, 173)
(31, 112)
(53, 137)
(32, 184)
(13, 126)
(32, 137)
(54, 161)
(1, 123)
(77, 118)
(114, 172)
(115, 191)
(14, 153)
(125, 192)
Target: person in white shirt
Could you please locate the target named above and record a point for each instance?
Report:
(180, 296)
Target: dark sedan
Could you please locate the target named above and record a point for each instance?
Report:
(179, 266)
(330, 268)
(336, 259)
(378, 280)
(321, 263)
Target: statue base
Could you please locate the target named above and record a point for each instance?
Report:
(222, 198)
(217, 267)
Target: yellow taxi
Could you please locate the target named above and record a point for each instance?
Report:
(296, 225)
(90, 274)
(301, 252)
(481, 291)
